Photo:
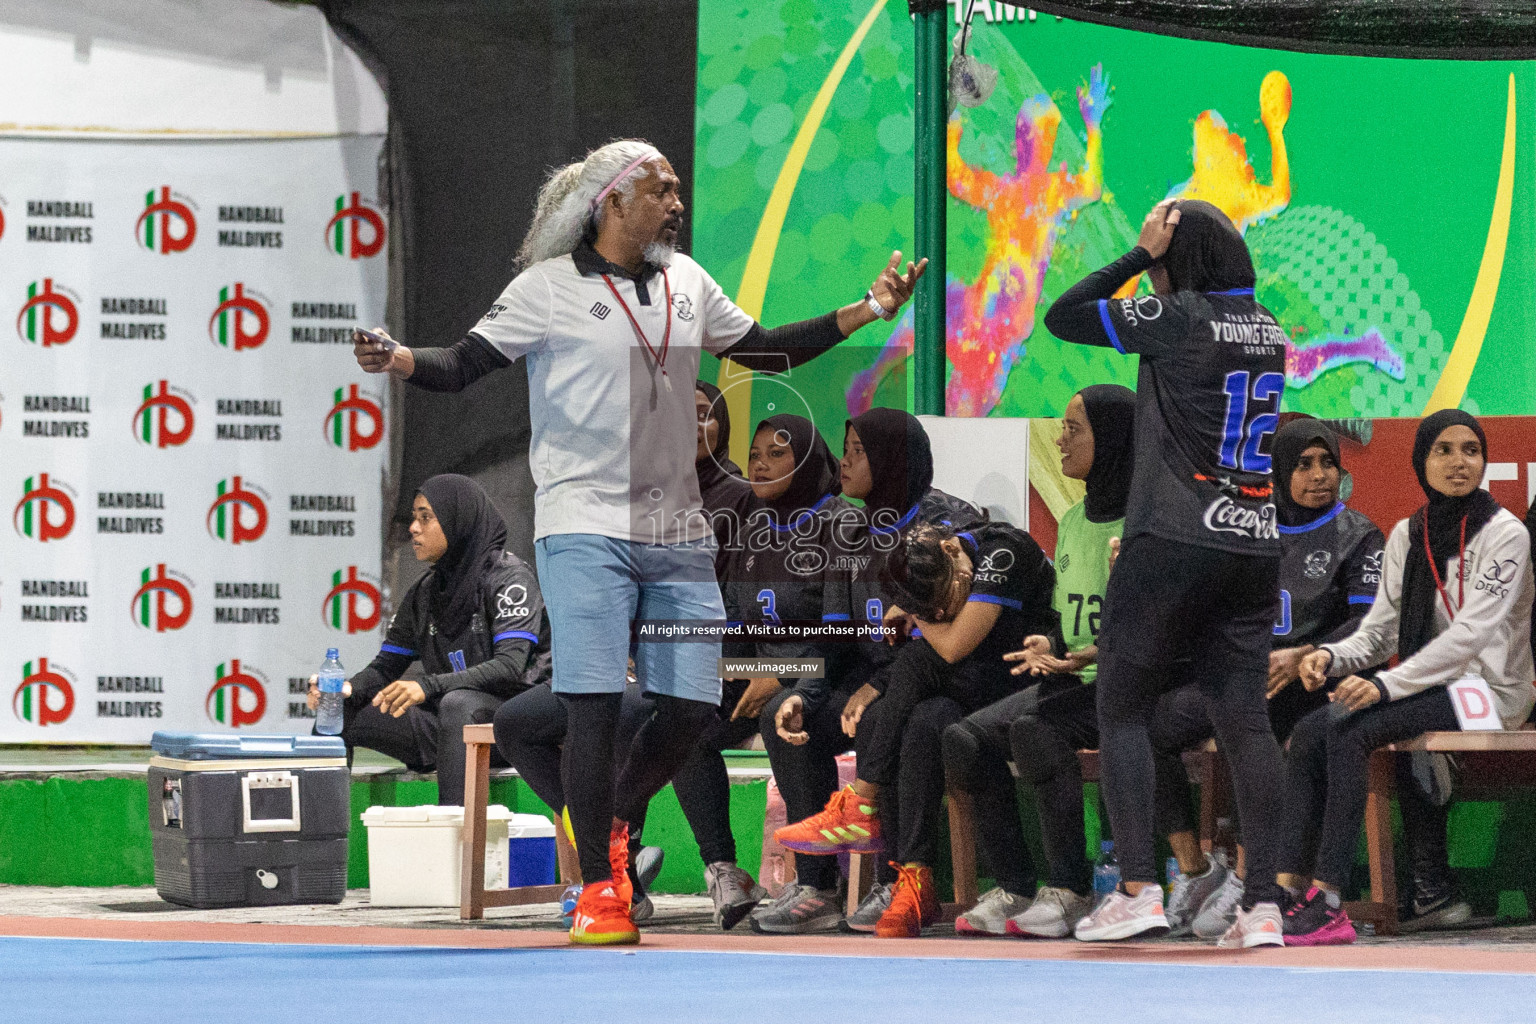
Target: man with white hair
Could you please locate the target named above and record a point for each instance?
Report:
(612, 321)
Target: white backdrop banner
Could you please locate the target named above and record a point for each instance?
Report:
(191, 460)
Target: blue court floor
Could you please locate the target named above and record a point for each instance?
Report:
(116, 982)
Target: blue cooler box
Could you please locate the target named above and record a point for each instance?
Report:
(249, 820)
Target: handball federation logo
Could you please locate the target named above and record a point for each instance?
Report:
(46, 511)
(167, 224)
(348, 409)
(356, 231)
(163, 600)
(164, 418)
(238, 696)
(353, 603)
(45, 696)
(238, 513)
(240, 321)
(50, 316)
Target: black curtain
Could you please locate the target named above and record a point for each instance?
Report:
(485, 96)
(1452, 29)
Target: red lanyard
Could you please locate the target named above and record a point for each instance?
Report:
(666, 338)
(1461, 577)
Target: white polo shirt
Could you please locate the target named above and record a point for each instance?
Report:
(612, 448)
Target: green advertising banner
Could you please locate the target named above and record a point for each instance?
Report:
(1388, 203)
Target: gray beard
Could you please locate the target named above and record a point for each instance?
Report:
(659, 254)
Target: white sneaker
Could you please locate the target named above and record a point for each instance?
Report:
(1190, 893)
(1119, 916)
(991, 913)
(1260, 926)
(1051, 915)
(1220, 908)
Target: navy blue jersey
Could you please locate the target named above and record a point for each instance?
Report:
(858, 595)
(786, 573)
(1329, 571)
(504, 650)
(1009, 570)
(1207, 400)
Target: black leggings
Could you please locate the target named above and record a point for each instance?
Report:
(1329, 759)
(806, 775)
(581, 733)
(1166, 602)
(703, 786)
(1041, 730)
(427, 737)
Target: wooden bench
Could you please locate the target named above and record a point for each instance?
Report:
(1381, 909)
(474, 897)
(1207, 767)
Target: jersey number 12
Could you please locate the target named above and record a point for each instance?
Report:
(1241, 440)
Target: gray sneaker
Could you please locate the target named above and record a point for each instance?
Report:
(1051, 916)
(863, 920)
(991, 913)
(648, 865)
(799, 909)
(1219, 910)
(734, 892)
(1190, 893)
(640, 907)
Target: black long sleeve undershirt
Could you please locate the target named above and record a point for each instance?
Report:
(1075, 316)
(770, 351)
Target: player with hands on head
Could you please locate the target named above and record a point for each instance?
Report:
(1195, 584)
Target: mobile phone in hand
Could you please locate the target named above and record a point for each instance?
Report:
(387, 344)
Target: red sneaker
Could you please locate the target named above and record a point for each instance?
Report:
(601, 918)
(618, 860)
(847, 825)
(914, 904)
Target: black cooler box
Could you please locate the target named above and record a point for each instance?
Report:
(249, 820)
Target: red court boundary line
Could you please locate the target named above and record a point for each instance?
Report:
(1400, 957)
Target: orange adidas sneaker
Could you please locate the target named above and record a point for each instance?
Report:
(848, 824)
(914, 904)
(601, 918)
(618, 861)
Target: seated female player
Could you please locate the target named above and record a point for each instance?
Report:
(778, 576)
(1040, 729)
(1330, 566)
(1455, 606)
(972, 594)
(888, 465)
(475, 620)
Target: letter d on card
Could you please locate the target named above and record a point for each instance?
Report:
(1474, 704)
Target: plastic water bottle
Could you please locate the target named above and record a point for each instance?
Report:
(1106, 870)
(1171, 870)
(333, 677)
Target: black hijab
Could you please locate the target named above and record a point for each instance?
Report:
(900, 458)
(1111, 411)
(1444, 516)
(816, 470)
(476, 538)
(1207, 253)
(718, 463)
(1285, 451)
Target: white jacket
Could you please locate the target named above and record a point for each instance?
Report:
(1490, 636)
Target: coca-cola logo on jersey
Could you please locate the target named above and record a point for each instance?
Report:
(1226, 516)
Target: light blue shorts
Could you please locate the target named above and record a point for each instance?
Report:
(594, 587)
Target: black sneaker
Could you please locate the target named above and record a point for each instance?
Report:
(1433, 908)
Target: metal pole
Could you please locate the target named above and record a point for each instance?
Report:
(931, 75)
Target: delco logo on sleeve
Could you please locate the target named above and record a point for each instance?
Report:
(1226, 516)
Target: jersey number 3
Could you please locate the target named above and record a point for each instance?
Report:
(1243, 436)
